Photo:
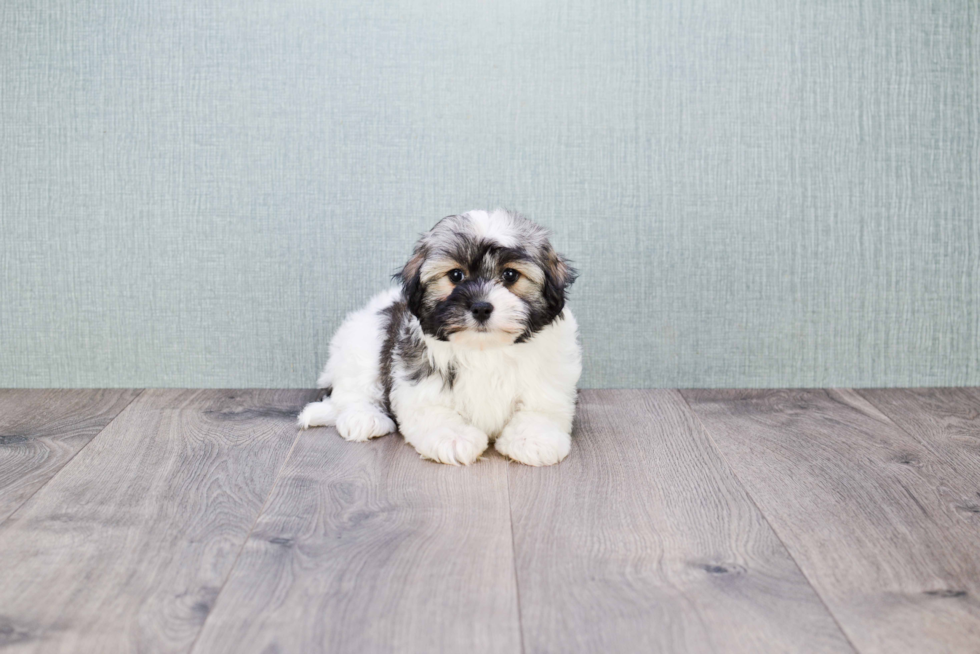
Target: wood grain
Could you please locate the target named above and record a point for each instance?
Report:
(126, 549)
(863, 507)
(41, 430)
(364, 547)
(946, 421)
(644, 541)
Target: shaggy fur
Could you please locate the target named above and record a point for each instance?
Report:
(475, 346)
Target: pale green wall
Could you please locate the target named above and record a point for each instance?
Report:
(756, 193)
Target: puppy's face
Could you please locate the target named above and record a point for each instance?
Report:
(485, 279)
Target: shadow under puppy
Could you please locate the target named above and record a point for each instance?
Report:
(475, 346)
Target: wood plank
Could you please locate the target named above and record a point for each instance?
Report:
(861, 506)
(41, 430)
(127, 548)
(364, 547)
(643, 541)
(946, 421)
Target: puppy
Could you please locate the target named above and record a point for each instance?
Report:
(475, 346)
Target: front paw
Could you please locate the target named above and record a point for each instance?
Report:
(534, 442)
(456, 445)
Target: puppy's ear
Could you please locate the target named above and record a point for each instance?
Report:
(411, 279)
(558, 276)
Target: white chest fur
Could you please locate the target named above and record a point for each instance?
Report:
(487, 387)
(491, 385)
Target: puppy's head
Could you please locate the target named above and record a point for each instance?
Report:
(484, 279)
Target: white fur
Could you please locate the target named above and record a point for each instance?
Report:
(520, 395)
(493, 225)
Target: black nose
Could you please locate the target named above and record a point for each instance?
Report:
(481, 311)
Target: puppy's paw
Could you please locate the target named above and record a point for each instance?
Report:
(317, 414)
(362, 422)
(534, 441)
(454, 445)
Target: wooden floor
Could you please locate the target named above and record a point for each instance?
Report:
(691, 521)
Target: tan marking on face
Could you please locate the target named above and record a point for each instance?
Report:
(438, 266)
(528, 271)
(525, 289)
(440, 288)
(529, 284)
(434, 275)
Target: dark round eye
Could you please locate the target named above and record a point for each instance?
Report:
(510, 276)
(456, 275)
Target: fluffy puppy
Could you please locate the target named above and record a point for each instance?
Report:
(475, 346)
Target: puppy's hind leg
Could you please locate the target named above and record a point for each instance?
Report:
(353, 375)
(317, 414)
(362, 421)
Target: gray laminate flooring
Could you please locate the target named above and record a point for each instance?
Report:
(683, 521)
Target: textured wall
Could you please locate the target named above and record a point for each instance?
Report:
(756, 193)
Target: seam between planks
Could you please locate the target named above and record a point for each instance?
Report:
(27, 499)
(762, 513)
(248, 537)
(513, 561)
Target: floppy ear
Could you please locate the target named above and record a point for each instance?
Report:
(558, 276)
(411, 279)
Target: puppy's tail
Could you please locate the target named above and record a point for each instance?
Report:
(317, 414)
